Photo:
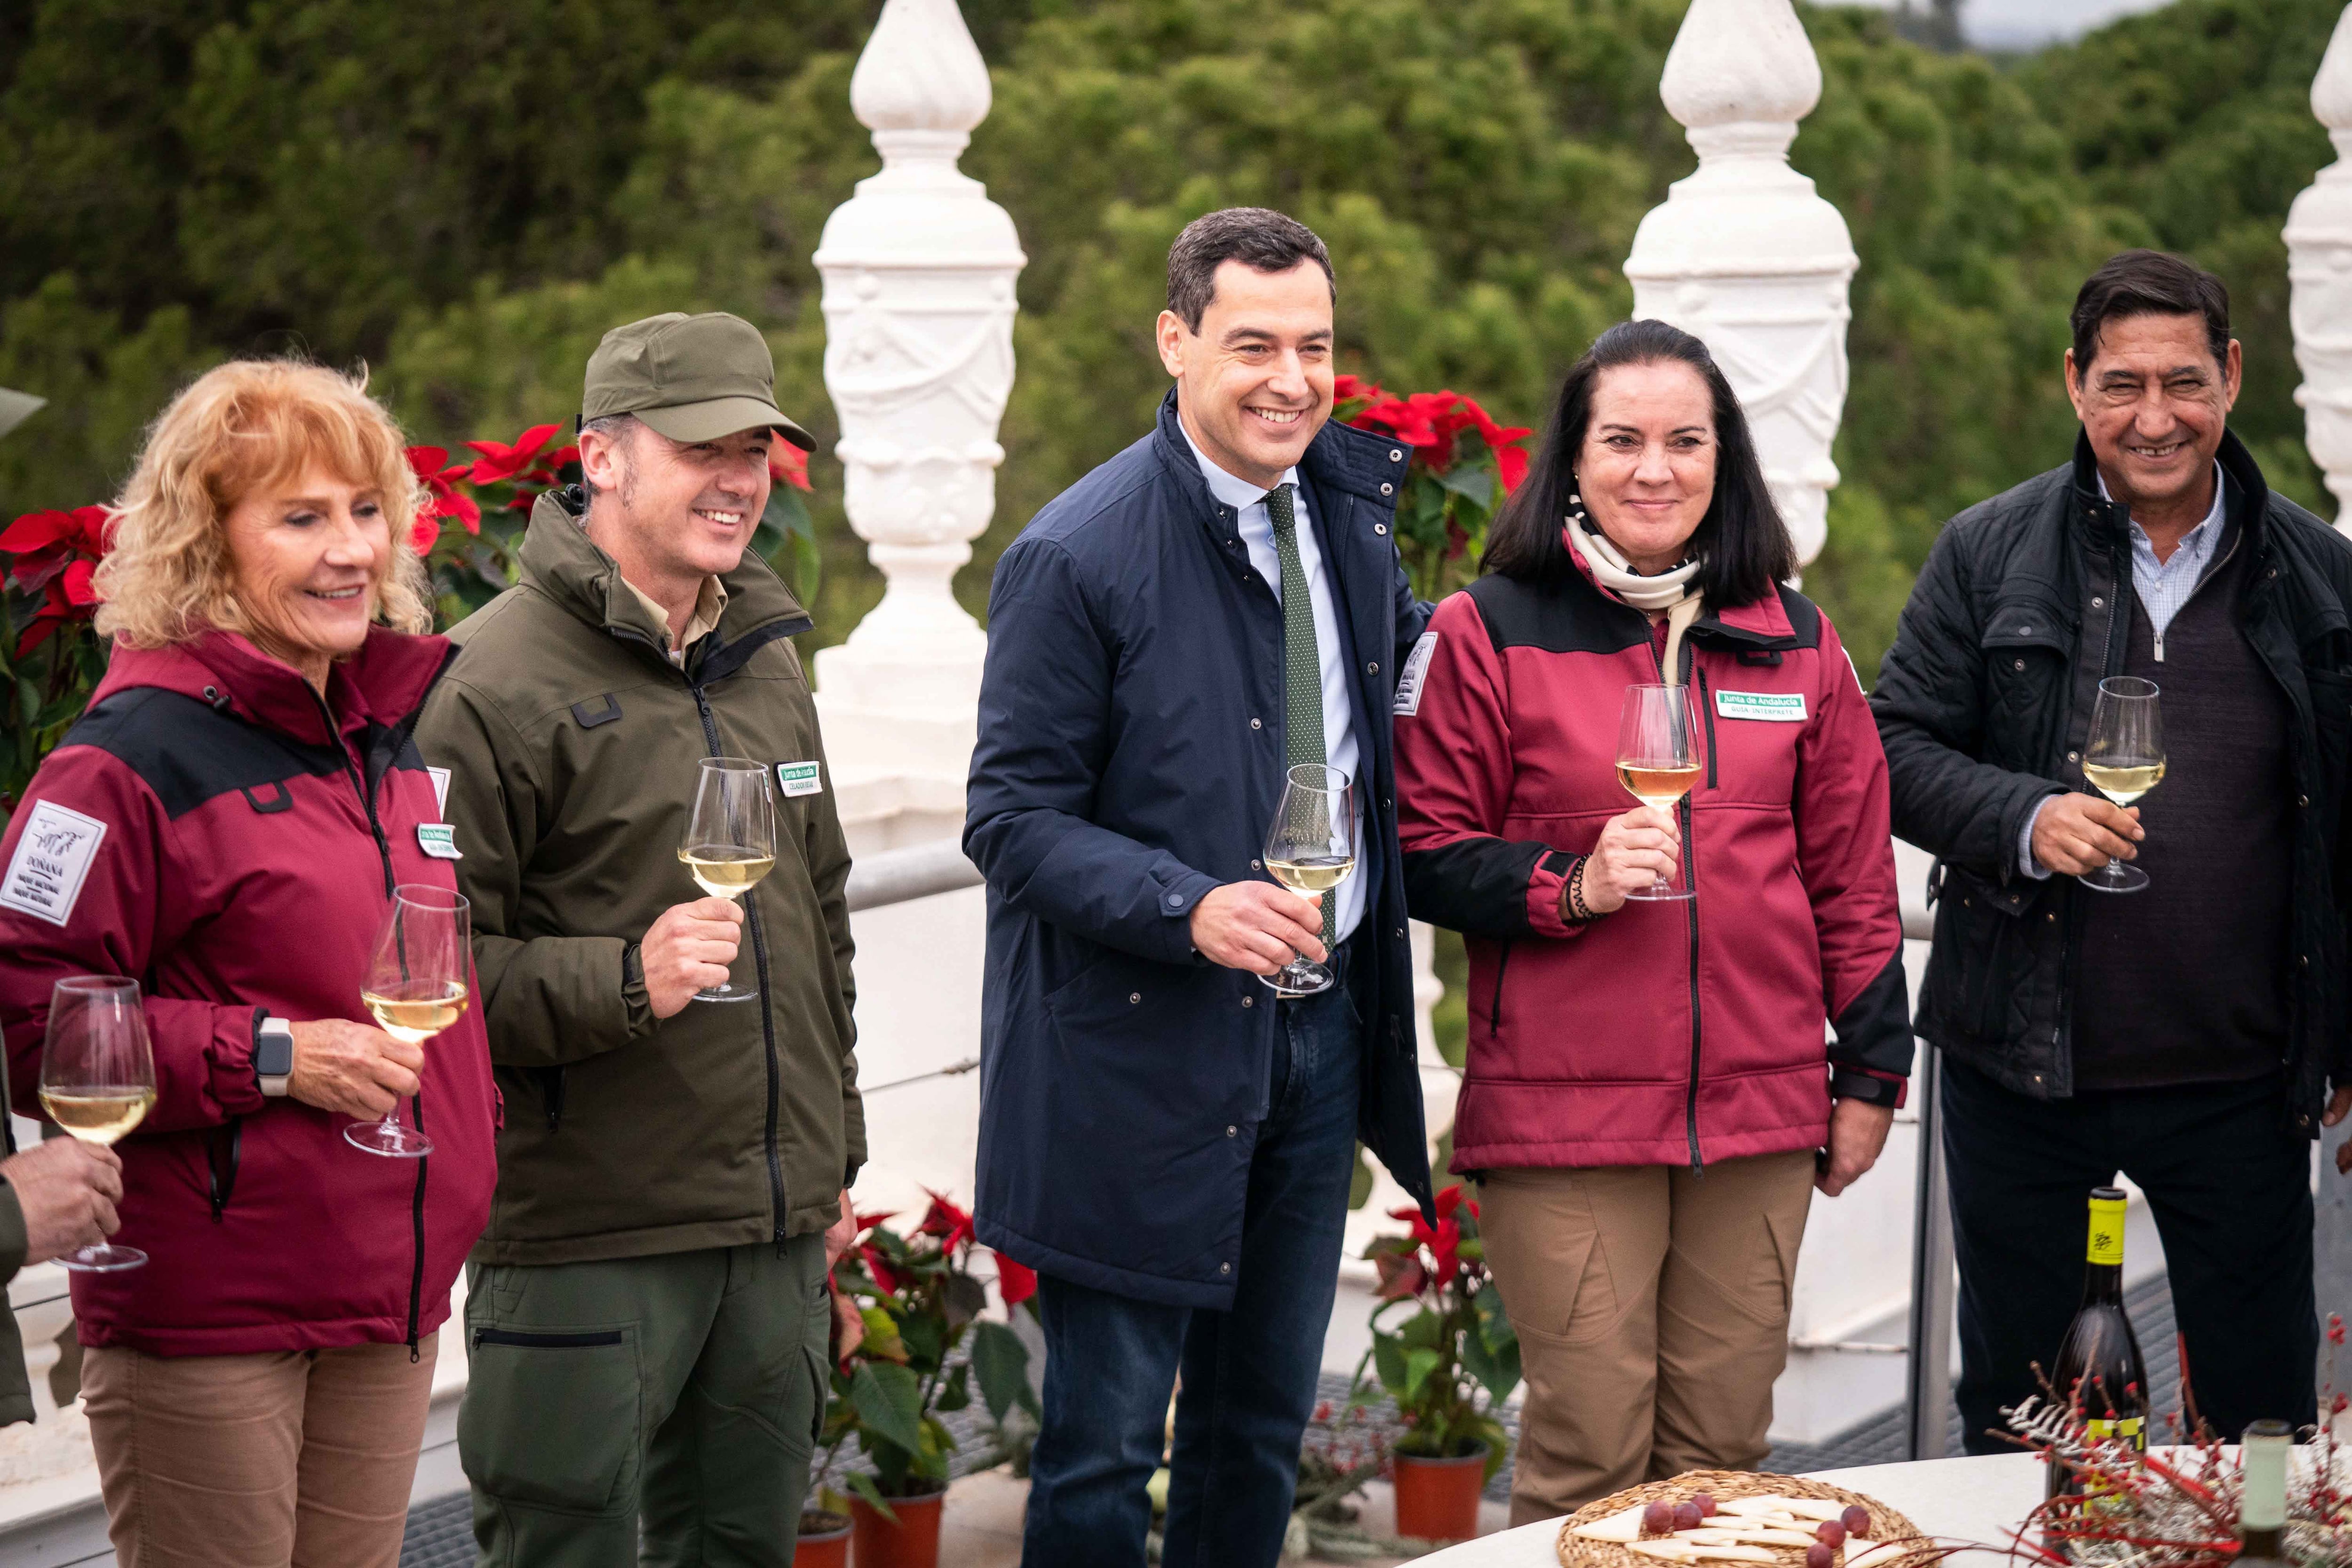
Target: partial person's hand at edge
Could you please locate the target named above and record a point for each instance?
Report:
(1857, 1133)
(67, 1190)
(2338, 1105)
(1257, 926)
(840, 1233)
(687, 950)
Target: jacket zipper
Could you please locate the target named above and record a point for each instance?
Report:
(416, 1100)
(2196, 588)
(766, 1018)
(1495, 1010)
(1690, 881)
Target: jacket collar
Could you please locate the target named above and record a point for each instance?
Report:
(2107, 523)
(559, 559)
(1341, 459)
(384, 684)
(1764, 624)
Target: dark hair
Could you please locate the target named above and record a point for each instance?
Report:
(1258, 237)
(2149, 283)
(1743, 546)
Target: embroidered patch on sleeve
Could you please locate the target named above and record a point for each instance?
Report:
(1416, 672)
(52, 860)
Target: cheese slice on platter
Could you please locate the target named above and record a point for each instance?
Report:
(1666, 1549)
(1625, 1527)
(1765, 1535)
(1815, 1508)
(1861, 1553)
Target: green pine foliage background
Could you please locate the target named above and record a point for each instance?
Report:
(466, 194)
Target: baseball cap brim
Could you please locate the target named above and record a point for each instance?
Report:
(724, 416)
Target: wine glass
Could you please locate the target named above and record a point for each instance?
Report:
(1657, 759)
(2124, 760)
(97, 1079)
(1311, 849)
(729, 841)
(418, 983)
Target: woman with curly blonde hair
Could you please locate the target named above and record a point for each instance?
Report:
(228, 823)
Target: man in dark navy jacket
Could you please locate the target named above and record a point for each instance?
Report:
(1167, 1140)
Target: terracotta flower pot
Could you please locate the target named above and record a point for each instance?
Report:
(1437, 1500)
(912, 1543)
(824, 1542)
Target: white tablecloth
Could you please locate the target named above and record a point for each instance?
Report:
(1978, 1499)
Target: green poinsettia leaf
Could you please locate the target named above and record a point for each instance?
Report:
(1424, 1331)
(1389, 1361)
(1418, 1365)
(956, 1392)
(1493, 1322)
(1001, 1362)
(888, 1400)
(1474, 479)
(863, 1485)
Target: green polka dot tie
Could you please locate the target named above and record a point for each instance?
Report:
(1302, 661)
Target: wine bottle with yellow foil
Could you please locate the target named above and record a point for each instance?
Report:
(2099, 1365)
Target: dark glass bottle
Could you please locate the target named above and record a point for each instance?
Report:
(2099, 1365)
(2262, 1520)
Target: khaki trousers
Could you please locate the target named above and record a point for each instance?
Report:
(291, 1459)
(1652, 1306)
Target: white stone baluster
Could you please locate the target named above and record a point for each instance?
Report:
(2319, 279)
(1744, 253)
(918, 268)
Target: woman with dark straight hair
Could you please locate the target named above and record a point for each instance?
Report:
(1649, 989)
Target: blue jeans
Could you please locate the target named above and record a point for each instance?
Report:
(1249, 1374)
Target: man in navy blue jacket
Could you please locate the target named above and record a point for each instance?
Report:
(1167, 1140)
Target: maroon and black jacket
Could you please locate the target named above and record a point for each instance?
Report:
(247, 846)
(1664, 1033)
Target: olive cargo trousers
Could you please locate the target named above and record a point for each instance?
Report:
(1651, 1306)
(681, 1392)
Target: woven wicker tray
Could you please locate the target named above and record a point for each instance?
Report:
(1888, 1526)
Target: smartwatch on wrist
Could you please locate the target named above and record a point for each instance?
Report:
(273, 1056)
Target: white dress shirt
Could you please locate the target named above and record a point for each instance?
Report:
(1256, 526)
(2161, 588)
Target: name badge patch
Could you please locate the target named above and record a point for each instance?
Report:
(52, 860)
(1774, 707)
(438, 839)
(1415, 674)
(799, 778)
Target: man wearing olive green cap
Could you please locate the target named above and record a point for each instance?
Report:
(647, 1315)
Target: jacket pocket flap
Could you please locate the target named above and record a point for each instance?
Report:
(1963, 889)
(2029, 621)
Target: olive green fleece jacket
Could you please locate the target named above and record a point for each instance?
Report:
(570, 742)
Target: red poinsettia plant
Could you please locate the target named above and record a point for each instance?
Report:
(1463, 464)
(1440, 1338)
(50, 657)
(909, 1341)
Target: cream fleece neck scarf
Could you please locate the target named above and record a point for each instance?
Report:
(1668, 591)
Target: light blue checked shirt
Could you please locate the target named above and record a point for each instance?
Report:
(2162, 587)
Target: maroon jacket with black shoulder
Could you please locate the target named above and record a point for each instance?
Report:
(211, 829)
(1673, 1032)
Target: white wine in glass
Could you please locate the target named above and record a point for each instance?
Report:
(1311, 849)
(417, 984)
(2123, 761)
(97, 1079)
(729, 841)
(1657, 760)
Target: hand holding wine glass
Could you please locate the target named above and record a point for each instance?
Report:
(1311, 849)
(1657, 760)
(1636, 851)
(729, 841)
(418, 983)
(97, 1079)
(2124, 760)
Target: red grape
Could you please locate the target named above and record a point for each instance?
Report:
(1831, 1533)
(1687, 1516)
(1705, 1503)
(1819, 1557)
(1856, 1519)
(1658, 1519)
